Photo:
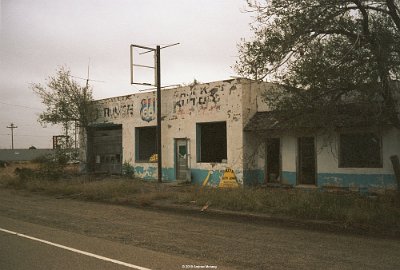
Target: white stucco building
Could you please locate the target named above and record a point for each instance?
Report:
(207, 128)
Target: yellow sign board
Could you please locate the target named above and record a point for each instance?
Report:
(229, 179)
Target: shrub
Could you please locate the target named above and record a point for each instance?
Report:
(52, 166)
(128, 170)
(25, 173)
(43, 159)
(3, 164)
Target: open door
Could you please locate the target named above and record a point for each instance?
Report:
(273, 160)
(306, 161)
(181, 158)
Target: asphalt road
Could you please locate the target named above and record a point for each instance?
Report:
(166, 240)
(42, 247)
(22, 253)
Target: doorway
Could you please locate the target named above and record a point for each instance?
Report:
(181, 158)
(306, 161)
(273, 160)
(105, 149)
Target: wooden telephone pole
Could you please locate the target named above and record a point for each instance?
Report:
(12, 127)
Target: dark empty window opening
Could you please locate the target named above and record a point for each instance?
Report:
(211, 142)
(146, 143)
(360, 150)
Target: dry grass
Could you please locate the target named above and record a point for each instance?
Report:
(350, 210)
(104, 189)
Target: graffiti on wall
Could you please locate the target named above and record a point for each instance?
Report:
(196, 97)
(118, 111)
(148, 109)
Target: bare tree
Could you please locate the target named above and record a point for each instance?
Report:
(67, 103)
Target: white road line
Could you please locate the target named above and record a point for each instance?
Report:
(76, 250)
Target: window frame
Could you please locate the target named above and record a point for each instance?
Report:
(199, 142)
(341, 164)
(138, 147)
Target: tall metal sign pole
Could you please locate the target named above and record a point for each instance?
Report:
(158, 85)
(157, 67)
(12, 126)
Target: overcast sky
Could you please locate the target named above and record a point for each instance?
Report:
(38, 36)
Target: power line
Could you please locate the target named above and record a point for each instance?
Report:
(22, 106)
(86, 79)
(32, 135)
(24, 135)
(155, 88)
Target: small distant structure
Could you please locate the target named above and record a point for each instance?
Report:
(60, 142)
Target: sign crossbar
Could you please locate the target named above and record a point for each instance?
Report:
(136, 65)
(157, 84)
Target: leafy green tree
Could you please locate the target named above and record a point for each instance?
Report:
(326, 53)
(66, 101)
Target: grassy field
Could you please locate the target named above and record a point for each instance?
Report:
(349, 210)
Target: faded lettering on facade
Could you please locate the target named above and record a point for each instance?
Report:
(196, 98)
(118, 110)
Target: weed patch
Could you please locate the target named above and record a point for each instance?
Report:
(348, 209)
(380, 212)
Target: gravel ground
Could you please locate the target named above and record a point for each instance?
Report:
(239, 244)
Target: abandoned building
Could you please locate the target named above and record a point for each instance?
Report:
(209, 128)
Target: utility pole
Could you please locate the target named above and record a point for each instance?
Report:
(12, 126)
(158, 85)
(157, 73)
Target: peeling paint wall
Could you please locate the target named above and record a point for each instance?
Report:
(234, 102)
(182, 108)
(330, 175)
(328, 172)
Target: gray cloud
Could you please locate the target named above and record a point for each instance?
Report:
(38, 36)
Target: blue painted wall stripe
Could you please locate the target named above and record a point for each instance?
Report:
(255, 177)
(386, 181)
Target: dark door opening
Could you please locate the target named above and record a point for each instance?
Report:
(181, 157)
(306, 161)
(105, 149)
(273, 162)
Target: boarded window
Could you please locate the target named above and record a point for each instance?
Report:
(360, 150)
(146, 143)
(211, 142)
